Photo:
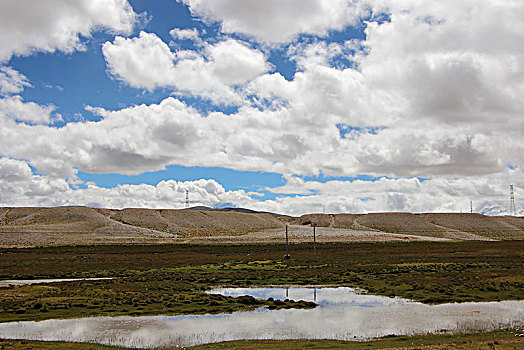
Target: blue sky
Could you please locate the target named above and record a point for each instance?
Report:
(283, 106)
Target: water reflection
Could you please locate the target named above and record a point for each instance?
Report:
(325, 297)
(342, 314)
(7, 283)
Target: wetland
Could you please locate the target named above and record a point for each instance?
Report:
(175, 280)
(341, 314)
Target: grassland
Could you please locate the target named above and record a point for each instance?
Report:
(172, 279)
(501, 340)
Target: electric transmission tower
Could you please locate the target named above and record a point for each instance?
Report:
(512, 209)
(187, 199)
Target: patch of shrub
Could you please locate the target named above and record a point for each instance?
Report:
(247, 300)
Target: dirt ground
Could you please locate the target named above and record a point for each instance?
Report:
(301, 234)
(296, 234)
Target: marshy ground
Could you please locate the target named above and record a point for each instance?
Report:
(172, 279)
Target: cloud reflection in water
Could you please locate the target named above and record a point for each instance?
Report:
(342, 314)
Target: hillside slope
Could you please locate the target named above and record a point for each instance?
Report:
(82, 220)
(81, 225)
(442, 225)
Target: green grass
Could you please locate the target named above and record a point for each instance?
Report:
(172, 279)
(51, 345)
(491, 340)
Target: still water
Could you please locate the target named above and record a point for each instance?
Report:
(7, 283)
(342, 314)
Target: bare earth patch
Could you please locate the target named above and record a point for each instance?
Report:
(301, 234)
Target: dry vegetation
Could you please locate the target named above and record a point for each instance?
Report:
(486, 226)
(81, 225)
(441, 225)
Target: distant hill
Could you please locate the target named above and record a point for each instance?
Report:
(82, 220)
(70, 225)
(236, 210)
(445, 225)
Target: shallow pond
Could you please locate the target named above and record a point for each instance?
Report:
(7, 283)
(342, 314)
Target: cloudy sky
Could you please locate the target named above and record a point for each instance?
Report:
(291, 106)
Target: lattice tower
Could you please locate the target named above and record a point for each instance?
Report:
(512, 209)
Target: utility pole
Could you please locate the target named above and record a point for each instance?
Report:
(314, 242)
(187, 199)
(512, 209)
(287, 257)
(471, 206)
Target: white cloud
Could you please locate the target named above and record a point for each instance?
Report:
(286, 140)
(489, 194)
(19, 186)
(147, 62)
(13, 107)
(317, 53)
(279, 21)
(185, 34)
(444, 61)
(143, 62)
(12, 81)
(28, 26)
(14, 170)
(234, 63)
(437, 92)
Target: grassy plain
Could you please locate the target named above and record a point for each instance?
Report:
(501, 340)
(172, 279)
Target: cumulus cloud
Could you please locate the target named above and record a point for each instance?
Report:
(444, 59)
(438, 194)
(19, 186)
(29, 26)
(185, 34)
(13, 107)
(435, 90)
(14, 170)
(434, 105)
(143, 62)
(286, 140)
(147, 62)
(278, 21)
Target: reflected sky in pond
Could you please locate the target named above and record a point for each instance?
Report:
(324, 296)
(342, 314)
(7, 283)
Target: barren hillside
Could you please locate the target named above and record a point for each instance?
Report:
(72, 225)
(81, 225)
(477, 224)
(442, 225)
